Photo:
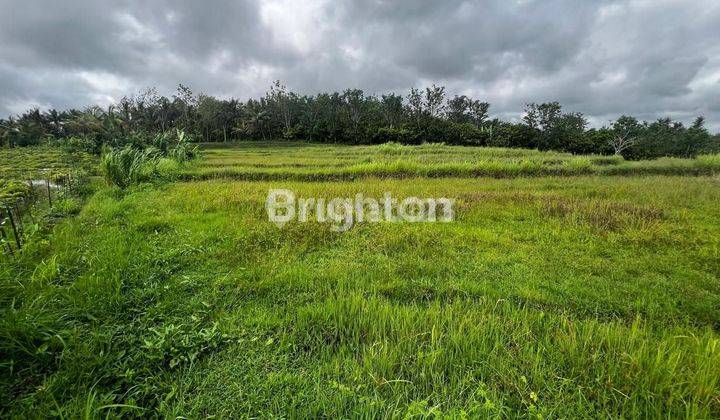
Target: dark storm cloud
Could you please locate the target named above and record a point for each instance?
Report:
(649, 58)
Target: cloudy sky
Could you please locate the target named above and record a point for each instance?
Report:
(648, 58)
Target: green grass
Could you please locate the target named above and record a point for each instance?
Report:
(311, 162)
(549, 296)
(42, 162)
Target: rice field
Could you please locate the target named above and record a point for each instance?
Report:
(42, 162)
(312, 162)
(574, 293)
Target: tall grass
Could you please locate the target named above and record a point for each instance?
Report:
(593, 296)
(392, 160)
(709, 162)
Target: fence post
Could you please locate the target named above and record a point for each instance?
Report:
(18, 216)
(47, 183)
(27, 202)
(5, 239)
(14, 228)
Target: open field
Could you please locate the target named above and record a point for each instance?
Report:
(549, 296)
(29, 174)
(25, 163)
(303, 162)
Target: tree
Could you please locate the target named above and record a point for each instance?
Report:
(354, 105)
(415, 105)
(479, 112)
(209, 110)
(697, 139)
(352, 116)
(227, 115)
(625, 132)
(462, 109)
(569, 130)
(392, 109)
(186, 104)
(282, 103)
(458, 109)
(434, 101)
(256, 119)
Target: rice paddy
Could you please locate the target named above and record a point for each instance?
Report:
(563, 289)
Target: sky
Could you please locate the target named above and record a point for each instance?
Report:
(647, 58)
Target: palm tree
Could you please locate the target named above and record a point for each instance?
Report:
(257, 118)
(55, 122)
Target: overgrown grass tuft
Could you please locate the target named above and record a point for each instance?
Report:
(709, 162)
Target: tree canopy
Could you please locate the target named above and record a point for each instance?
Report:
(351, 116)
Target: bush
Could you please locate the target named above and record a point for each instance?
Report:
(709, 162)
(176, 145)
(161, 143)
(466, 134)
(66, 206)
(80, 144)
(182, 149)
(510, 135)
(395, 135)
(127, 166)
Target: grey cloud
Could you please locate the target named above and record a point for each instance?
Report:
(602, 58)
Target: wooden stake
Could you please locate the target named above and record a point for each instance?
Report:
(6, 241)
(47, 183)
(28, 203)
(14, 228)
(18, 216)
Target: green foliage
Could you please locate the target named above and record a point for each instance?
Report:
(149, 120)
(171, 301)
(176, 345)
(298, 161)
(164, 156)
(710, 162)
(547, 297)
(173, 144)
(667, 138)
(11, 191)
(79, 144)
(395, 135)
(182, 149)
(127, 166)
(467, 134)
(44, 162)
(66, 206)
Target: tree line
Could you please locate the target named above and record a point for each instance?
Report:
(353, 117)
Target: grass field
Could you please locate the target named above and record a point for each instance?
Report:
(303, 162)
(42, 162)
(550, 296)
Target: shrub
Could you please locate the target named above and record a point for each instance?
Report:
(80, 144)
(127, 166)
(161, 143)
(709, 162)
(466, 134)
(395, 135)
(66, 206)
(509, 135)
(182, 150)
